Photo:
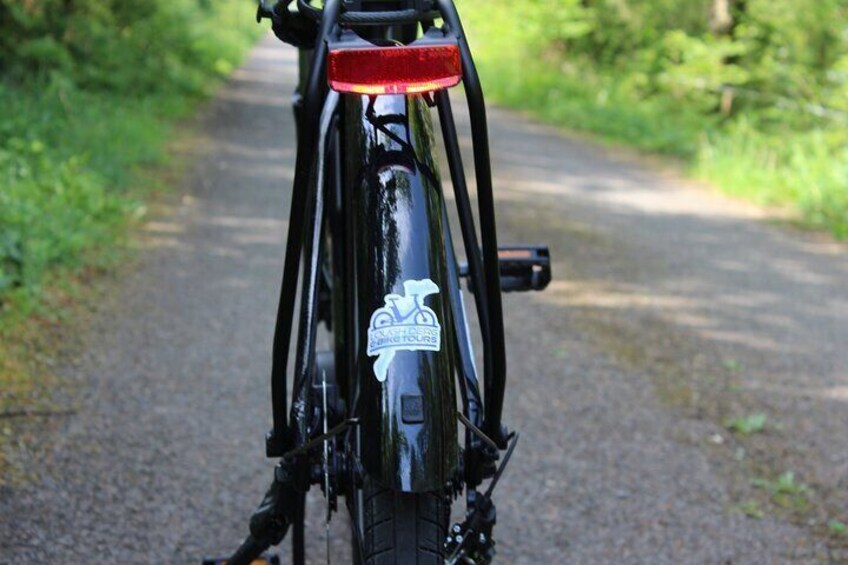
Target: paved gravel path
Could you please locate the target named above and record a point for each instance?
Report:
(672, 310)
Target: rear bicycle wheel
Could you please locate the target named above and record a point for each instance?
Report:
(401, 528)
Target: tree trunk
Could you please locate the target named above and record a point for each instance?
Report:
(724, 18)
(725, 15)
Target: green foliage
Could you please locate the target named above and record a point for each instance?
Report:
(61, 175)
(786, 491)
(89, 88)
(142, 47)
(806, 169)
(756, 99)
(837, 528)
(751, 509)
(748, 425)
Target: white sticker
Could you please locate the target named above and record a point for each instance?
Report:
(404, 323)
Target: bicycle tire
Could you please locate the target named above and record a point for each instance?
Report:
(403, 528)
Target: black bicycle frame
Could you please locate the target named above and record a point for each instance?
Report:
(369, 220)
(483, 266)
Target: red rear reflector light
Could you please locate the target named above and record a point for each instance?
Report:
(394, 70)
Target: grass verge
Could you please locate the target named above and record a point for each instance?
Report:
(76, 144)
(802, 171)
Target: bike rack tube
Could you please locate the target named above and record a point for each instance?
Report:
(469, 238)
(280, 437)
(491, 314)
(301, 409)
(495, 373)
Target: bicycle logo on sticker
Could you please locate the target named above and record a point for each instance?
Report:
(404, 323)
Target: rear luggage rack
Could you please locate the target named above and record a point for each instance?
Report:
(522, 268)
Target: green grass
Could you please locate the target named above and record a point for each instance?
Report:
(747, 425)
(73, 139)
(751, 509)
(768, 160)
(837, 528)
(67, 168)
(595, 104)
(805, 170)
(82, 126)
(786, 491)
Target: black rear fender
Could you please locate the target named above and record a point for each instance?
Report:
(404, 338)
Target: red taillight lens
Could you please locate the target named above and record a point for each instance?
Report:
(394, 70)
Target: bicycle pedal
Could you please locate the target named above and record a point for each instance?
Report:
(264, 560)
(522, 267)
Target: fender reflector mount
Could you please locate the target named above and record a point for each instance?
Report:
(407, 69)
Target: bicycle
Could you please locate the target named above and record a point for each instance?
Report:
(375, 420)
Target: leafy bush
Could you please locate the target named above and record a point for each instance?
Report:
(88, 89)
(755, 96)
(140, 47)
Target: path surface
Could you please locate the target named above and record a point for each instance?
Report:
(672, 310)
